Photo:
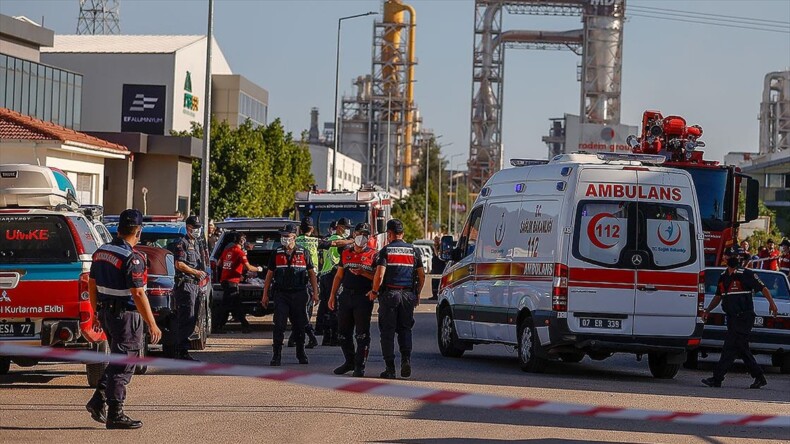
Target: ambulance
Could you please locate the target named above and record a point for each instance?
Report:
(580, 255)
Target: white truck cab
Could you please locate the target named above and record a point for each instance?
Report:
(580, 255)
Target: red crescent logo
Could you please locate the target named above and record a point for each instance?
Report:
(499, 234)
(591, 231)
(667, 242)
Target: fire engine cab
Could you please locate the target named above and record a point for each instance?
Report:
(46, 243)
(369, 204)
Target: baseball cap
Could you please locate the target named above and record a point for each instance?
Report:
(194, 221)
(395, 225)
(362, 228)
(343, 222)
(288, 229)
(130, 218)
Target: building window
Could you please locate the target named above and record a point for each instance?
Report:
(84, 187)
(183, 204)
(250, 108)
(776, 180)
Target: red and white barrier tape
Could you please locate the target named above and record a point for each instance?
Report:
(382, 388)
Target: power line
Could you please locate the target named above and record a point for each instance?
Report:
(716, 20)
(725, 25)
(709, 14)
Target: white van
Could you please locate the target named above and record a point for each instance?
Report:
(582, 254)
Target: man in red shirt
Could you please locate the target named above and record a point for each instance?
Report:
(784, 259)
(234, 263)
(770, 256)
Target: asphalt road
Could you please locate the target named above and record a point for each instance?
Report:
(46, 402)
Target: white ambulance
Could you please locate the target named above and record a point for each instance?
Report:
(581, 255)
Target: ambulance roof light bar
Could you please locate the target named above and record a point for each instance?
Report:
(527, 162)
(655, 159)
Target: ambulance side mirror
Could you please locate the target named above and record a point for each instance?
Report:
(752, 199)
(381, 225)
(446, 246)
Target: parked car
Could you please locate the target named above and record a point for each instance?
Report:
(425, 246)
(45, 258)
(770, 335)
(263, 237)
(162, 232)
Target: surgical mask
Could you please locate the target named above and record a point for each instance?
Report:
(195, 233)
(361, 241)
(347, 233)
(286, 241)
(733, 262)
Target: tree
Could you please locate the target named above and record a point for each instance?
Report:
(255, 171)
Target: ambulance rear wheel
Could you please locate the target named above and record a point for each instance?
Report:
(448, 338)
(5, 364)
(528, 346)
(660, 367)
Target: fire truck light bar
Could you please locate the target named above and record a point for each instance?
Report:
(644, 158)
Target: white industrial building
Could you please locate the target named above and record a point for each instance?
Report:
(165, 74)
(349, 171)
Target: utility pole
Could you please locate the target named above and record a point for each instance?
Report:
(206, 163)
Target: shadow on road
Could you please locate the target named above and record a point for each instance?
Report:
(490, 441)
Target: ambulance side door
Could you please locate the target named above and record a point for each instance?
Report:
(463, 276)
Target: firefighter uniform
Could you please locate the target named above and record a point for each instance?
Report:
(186, 291)
(397, 300)
(354, 308)
(736, 292)
(290, 297)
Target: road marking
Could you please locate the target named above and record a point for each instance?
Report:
(381, 388)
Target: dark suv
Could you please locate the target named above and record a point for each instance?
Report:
(263, 237)
(163, 232)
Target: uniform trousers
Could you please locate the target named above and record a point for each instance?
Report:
(396, 316)
(290, 305)
(736, 345)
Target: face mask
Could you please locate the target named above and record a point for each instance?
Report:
(733, 262)
(286, 241)
(347, 233)
(195, 233)
(361, 241)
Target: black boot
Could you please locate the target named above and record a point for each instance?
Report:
(277, 355)
(348, 365)
(759, 382)
(301, 356)
(312, 341)
(117, 419)
(711, 382)
(405, 366)
(360, 359)
(97, 407)
(389, 372)
(292, 340)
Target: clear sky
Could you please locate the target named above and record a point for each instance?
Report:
(711, 75)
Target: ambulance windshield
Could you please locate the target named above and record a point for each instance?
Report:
(323, 216)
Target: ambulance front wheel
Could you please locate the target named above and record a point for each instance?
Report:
(660, 367)
(5, 364)
(528, 346)
(449, 344)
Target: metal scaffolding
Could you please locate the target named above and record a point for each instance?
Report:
(99, 17)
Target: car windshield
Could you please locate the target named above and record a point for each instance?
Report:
(161, 240)
(775, 282)
(712, 194)
(323, 217)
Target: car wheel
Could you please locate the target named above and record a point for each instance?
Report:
(692, 360)
(784, 365)
(572, 358)
(527, 348)
(199, 343)
(96, 370)
(660, 368)
(5, 364)
(142, 369)
(447, 336)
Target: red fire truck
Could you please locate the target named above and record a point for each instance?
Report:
(369, 204)
(718, 186)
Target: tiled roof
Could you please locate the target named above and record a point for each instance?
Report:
(118, 44)
(16, 126)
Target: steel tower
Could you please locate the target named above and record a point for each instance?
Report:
(99, 17)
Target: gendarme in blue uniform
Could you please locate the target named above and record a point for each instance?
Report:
(186, 250)
(117, 268)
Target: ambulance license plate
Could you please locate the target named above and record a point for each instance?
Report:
(614, 324)
(17, 329)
